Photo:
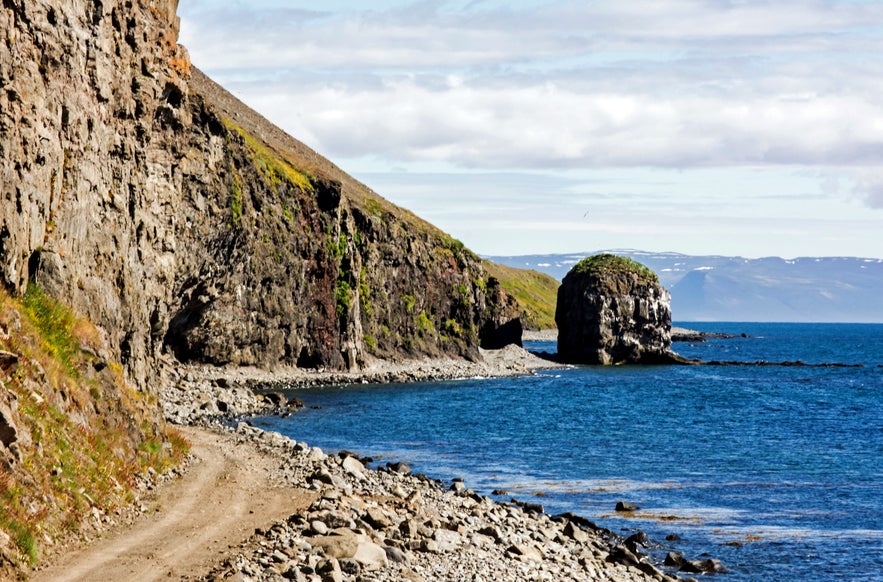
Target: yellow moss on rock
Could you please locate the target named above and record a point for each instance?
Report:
(271, 164)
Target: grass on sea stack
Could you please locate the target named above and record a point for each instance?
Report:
(607, 265)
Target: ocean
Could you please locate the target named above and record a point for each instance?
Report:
(776, 470)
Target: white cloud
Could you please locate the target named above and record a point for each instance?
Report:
(547, 126)
(869, 188)
(568, 85)
(669, 83)
(437, 34)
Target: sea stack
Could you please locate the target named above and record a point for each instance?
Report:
(612, 310)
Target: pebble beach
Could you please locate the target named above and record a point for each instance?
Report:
(383, 523)
(387, 525)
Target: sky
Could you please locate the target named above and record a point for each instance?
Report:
(707, 127)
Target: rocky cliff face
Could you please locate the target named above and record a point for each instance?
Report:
(150, 200)
(88, 95)
(612, 310)
(306, 266)
(185, 227)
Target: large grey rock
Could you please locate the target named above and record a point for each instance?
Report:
(526, 552)
(329, 570)
(399, 467)
(503, 327)
(612, 310)
(396, 555)
(354, 467)
(8, 434)
(575, 532)
(448, 541)
(355, 546)
(377, 518)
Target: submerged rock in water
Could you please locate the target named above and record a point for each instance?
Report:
(612, 310)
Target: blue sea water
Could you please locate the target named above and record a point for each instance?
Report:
(775, 470)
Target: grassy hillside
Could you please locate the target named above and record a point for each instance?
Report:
(537, 293)
(274, 143)
(72, 432)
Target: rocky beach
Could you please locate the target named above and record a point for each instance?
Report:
(196, 393)
(339, 517)
(385, 523)
(277, 508)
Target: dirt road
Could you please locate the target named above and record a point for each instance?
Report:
(225, 494)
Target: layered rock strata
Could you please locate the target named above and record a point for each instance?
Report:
(612, 310)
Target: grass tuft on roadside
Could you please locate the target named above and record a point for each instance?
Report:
(74, 432)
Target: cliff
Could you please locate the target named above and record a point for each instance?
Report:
(151, 201)
(612, 310)
(312, 268)
(142, 199)
(83, 87)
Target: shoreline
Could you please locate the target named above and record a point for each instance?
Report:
(319, 517)
(678, 334)
(506, 362)
(411, 520)
(199, 393)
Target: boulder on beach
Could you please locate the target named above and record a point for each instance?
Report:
(613, 310)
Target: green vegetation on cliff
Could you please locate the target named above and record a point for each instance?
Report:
(55, 324)
(535, 292)
(274, 167)
(354, 275)
(606, 265)
(73, 432)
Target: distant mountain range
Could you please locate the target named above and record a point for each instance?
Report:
(716, 288)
